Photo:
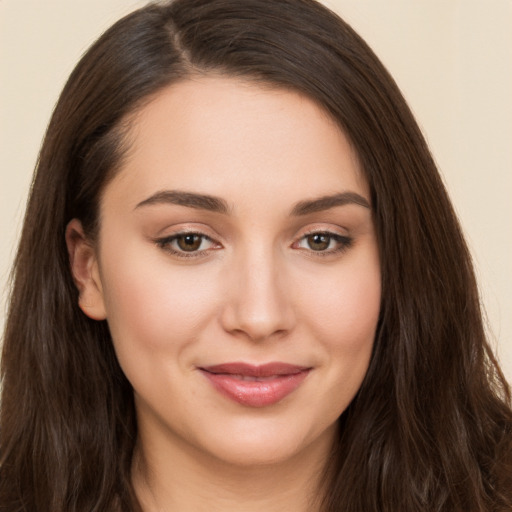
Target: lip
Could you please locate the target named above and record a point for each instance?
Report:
(256, 385)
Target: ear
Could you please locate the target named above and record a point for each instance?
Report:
(85, 270)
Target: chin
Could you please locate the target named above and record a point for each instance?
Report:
(262, 445)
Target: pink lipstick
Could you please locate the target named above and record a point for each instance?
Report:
(256, 386)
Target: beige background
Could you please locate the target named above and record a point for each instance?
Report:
(451, 58)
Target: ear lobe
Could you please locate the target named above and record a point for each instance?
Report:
(84, 268)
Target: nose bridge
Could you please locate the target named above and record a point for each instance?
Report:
(258, 304)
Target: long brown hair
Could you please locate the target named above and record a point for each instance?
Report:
(431, 427)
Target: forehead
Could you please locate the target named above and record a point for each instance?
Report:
(215, 135)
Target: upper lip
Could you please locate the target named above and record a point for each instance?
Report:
(250, 370)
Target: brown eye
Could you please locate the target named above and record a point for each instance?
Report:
(318, 241)
(188, 245)
(189, 242)
(324, 243)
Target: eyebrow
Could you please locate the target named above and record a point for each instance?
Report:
(218, 205)
(188, 199)
(328, 202)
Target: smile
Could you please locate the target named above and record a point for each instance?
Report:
(256, 386)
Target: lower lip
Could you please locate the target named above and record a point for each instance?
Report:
(258, 393)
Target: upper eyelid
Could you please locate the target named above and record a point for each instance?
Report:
(216, 238)
(213, 236)
(177, 234)
(322, 228)
(204, 231)
(329, 231)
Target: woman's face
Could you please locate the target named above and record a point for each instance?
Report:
(237, 267)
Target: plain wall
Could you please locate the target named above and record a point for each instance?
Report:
(451, 58)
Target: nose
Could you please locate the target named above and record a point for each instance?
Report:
(257, 304)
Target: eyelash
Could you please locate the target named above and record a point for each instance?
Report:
(343, 242)
(165, 243)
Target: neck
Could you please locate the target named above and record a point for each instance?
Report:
(176, 480)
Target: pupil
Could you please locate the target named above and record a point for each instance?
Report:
(189, 242)
(319, 242)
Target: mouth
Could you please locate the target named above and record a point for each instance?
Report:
(256, 386)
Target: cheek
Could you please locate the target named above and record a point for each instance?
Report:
(344, 308)
(153, 305)
(343, 311)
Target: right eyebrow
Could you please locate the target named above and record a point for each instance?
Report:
(188, 199)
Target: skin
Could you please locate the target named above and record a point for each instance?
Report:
(259, 288)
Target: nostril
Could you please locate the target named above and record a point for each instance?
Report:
(256, 304)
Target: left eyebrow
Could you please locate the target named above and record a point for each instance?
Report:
(327, 202)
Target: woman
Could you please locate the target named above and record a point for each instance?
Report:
(241, 285)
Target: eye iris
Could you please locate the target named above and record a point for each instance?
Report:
(319, 242)
(189, 243)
